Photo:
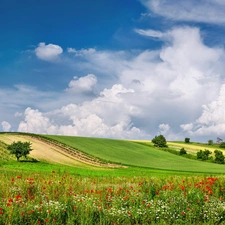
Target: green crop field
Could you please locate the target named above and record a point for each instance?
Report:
(137, 154)
(140, 157)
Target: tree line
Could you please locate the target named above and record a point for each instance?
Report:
(160, 141)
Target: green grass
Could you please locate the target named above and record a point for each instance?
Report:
(137, 154)
(15, 168)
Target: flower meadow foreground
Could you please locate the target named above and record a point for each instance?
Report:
(68, 199)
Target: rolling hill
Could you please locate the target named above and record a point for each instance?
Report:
(51, 148)
(136, 154)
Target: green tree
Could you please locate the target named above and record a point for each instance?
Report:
(183, 151)
(20, 149)
(219, 157)
(203, 155)
(222, 145)
(187, 140)
(210, 142)
(159, 141)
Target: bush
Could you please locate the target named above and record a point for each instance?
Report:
(222, 145)
(203, 155)
(183, 151)
(219, 157)
(159, 141)
(187, 140)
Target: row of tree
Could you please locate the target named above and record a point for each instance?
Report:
(210, 142)
(205, 155)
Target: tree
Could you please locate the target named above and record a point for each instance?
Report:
(203, 155)
(183, 151)
(222, 145)
(159, 141)
(219, 157)
(210, 142)
(20, 149)
(187, 140)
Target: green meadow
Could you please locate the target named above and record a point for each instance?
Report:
(138, 154)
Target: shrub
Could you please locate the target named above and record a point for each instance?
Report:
(183, 151)
(159, 141)
(203, 155)
(222, 145)
(187, 140)
(219, 157)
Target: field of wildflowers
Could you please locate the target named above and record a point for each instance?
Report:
(61, 198)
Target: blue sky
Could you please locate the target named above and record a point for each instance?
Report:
(120, 69)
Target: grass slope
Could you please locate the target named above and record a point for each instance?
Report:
(135, 154)
(4, 153)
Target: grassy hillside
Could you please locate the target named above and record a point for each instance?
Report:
(136, 154)
(4, 153)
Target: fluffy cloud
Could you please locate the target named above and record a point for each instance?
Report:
(199, 11)
(106, 116)
(171, 84)
(48, 52)
(36, 122)
(84, 84)
(182, 71)
(212, 120)
(6, 126)
(164, 128)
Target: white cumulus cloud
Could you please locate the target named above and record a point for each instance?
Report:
(83, 84)
(164, 128)
(108, 115)
(212, 119)
(6, 126)
(36, 122)
(48, 52)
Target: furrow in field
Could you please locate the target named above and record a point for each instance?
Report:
(44, 151)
